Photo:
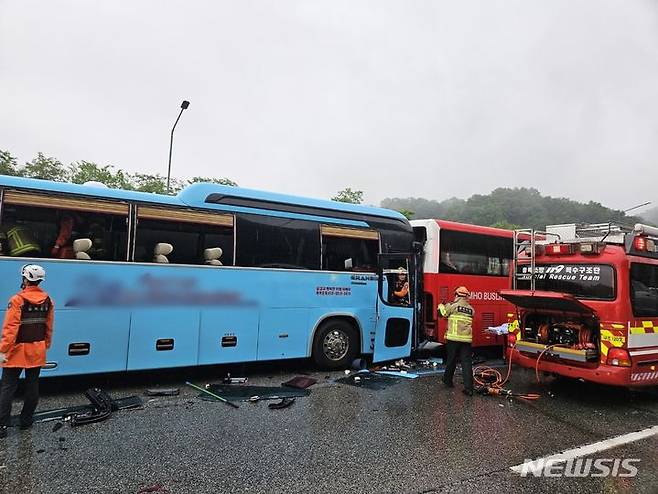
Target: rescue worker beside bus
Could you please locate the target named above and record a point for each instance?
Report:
(459, 336)
(26, 335)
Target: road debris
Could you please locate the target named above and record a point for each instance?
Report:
(300, 382)
(101, 408)
(411, 369)
(158, 487)
(126, 403)
(214, 395)
(369, 380)
(284, 403)
(162, 392)
(247, 393)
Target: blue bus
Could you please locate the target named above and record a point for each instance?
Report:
(212, 275)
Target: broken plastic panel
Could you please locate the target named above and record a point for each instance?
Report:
(244, 393)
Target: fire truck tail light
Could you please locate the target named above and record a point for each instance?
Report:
(558, 249)
(511, 339)
(619, 357)
(640, 243)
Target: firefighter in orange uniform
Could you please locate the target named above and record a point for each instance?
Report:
(26, 335)
(401, 288)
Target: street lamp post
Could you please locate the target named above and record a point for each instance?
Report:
(183, 106)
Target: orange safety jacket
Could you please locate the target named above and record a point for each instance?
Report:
(27, 329)
(62, 249)
(401, 289)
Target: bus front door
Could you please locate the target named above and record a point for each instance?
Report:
(395, 312)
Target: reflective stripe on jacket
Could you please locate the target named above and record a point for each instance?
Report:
(21, 242)
(25, 338)
(460, 320)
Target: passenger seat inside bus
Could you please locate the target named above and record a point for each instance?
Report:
(80, 247)
(161, 251)
(212, 256)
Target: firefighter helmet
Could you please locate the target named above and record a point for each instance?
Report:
(33, 272)
(462, 291)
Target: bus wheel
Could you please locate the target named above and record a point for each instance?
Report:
(335, 345)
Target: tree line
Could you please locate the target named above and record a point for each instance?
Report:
(79, 172)
(510, 208)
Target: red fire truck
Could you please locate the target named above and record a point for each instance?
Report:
(477, 257)
(587, 303)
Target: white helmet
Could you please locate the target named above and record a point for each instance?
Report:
(33, 272)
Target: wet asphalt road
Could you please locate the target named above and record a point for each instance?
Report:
(415, 436)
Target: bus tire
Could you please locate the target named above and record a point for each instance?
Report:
(336, 344)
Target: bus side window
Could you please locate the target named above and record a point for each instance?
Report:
(644, 289)
(55, 232)
(271, 242)
(189, 241)
(473, 253)
(349, 253)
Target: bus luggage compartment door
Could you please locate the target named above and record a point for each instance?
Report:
(395, 312)
(88, 341)
(163, 337)
(228, 335)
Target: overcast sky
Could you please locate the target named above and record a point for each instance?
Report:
(397, 98)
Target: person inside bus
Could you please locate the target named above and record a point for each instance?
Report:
(446, 264)
(26, 335)
(459, 336)
(401, 288)
(63, 247)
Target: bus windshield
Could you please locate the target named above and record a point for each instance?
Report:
(590, 281)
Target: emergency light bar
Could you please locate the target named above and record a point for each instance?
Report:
(558, 249)
(591, 247)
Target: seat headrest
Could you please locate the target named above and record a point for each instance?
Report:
(82, 245)
(83, 256)
(161, 259)
(163, 249)
(213, 253)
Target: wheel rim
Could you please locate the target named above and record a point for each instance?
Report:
(336, 344)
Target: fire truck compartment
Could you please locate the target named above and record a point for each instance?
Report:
(571, 337)
(557, 324)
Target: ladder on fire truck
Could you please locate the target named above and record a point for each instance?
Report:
(525, 249)
(526, 241)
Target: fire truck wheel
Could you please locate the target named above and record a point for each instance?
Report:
(335, 345)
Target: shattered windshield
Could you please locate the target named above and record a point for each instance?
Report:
(591, 281)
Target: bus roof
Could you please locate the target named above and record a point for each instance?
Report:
(484, 230)
(201, 195)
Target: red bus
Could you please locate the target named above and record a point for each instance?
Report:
(477, 257)
(587, 299)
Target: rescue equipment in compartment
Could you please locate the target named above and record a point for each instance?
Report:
(569, 334)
